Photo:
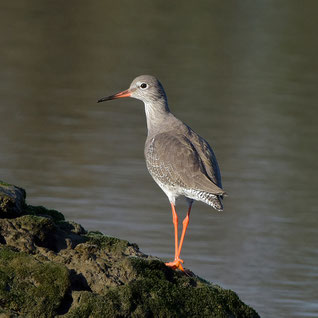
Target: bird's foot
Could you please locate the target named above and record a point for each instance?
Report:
(176, 264)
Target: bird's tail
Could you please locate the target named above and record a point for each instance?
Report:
(211, 199)
(215, 201)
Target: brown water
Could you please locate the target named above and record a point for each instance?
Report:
(243, 74)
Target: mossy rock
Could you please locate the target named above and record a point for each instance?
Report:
(12, 200)
(109, 243)
(30, 287)
(42, 211)
(5, 184)
(158, 291)
(50, 267)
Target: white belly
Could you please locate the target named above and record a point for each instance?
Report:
(172, 192)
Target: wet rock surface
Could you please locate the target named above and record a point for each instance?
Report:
(50, 267)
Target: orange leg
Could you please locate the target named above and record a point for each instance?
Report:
(175, 224)
(185, 224)
(177, 261)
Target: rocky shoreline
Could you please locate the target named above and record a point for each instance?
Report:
(50, 267)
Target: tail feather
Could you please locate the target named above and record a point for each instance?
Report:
(217, 203)
(211, 199)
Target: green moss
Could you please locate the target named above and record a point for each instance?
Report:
(40, 210)
(167, 293)
(91, 305)
(159, 291)
(29, 286)
(102, 277)
(5, 184)
(34, 221)
(38, 226)
(111, 244)
(7, 254)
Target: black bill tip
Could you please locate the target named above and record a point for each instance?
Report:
(126, 93)
(104, 99)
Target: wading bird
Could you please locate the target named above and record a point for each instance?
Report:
(180, 161)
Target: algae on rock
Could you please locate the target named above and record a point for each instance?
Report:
(50, 267)
(30, 287)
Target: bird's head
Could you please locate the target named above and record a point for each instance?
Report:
(146, 88)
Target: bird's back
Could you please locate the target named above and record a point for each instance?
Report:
(182, 162)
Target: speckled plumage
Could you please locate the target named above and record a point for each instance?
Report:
(179, 160)
(183, 164)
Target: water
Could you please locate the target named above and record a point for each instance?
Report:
(242, 74)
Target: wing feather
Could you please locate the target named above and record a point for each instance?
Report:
(177, 160)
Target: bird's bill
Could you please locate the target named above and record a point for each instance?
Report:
(126, 93)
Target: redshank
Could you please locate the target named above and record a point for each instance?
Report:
(180, 161)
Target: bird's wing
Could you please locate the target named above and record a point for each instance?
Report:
(207, 156)
(173, 159)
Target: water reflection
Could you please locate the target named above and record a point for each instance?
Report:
(242, 75)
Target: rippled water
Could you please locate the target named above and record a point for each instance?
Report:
(241, 74)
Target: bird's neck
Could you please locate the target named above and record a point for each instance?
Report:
(157, 114)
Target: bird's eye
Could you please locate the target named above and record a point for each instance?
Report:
(143, 85)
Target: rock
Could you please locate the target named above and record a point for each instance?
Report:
(11, 200)
(29, 286)
(50, 267)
